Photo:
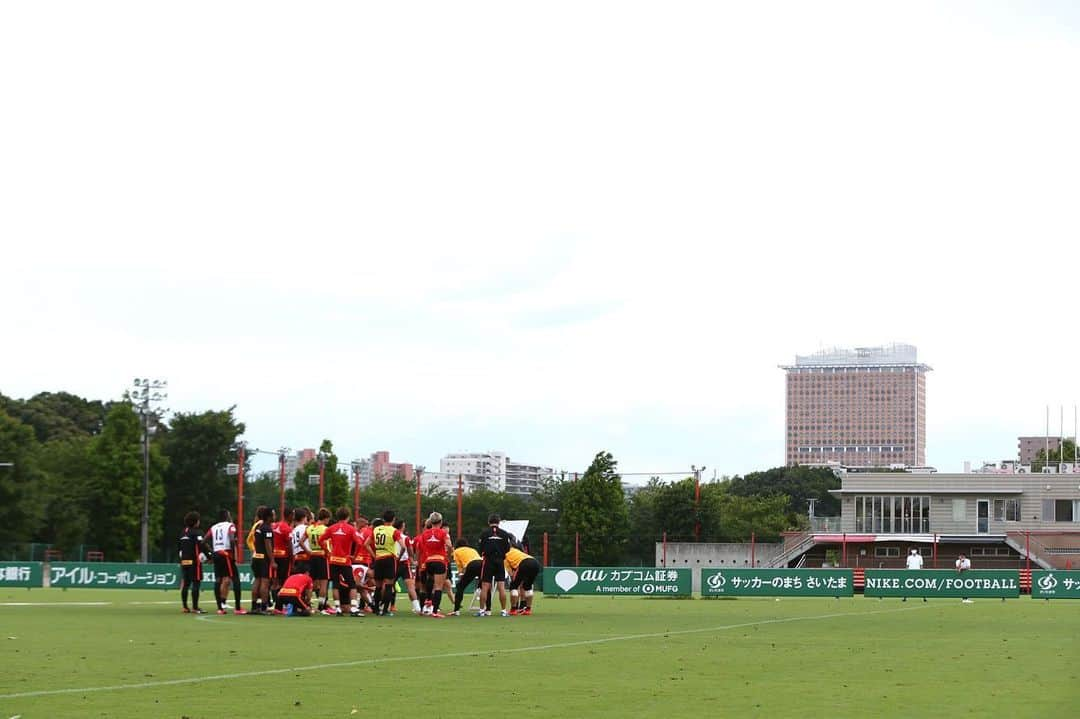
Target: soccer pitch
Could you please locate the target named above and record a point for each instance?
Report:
(131, 653)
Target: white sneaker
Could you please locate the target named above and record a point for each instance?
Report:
(483, 613)
(504, 613)
(967, 601)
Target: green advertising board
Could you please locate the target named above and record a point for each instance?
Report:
(776, 583)
(20, 574)
(1055, 585)
(618, 581)
(109, 575)
(942, 583)
(245, 575)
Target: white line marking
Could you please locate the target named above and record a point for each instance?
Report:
(449, 655)
(54, 604)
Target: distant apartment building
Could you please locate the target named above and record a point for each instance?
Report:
(1028, 448)
(862, 407)
(378, 467)
(496, 472)
(295, 463)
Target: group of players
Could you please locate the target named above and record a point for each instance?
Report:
(295, 560)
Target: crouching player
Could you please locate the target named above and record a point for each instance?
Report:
(523, 570)
(295, 592)
(468, 563)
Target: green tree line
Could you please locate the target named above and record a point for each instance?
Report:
(71, 476)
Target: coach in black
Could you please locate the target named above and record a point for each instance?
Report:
(493, 545)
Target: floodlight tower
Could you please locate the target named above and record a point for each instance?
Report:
(146, 393)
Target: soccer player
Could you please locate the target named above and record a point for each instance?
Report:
(381, 547)
(262, 556)
(295, 591)
(192, 545)
(435, 551)
(405, 547)
(468, 563)
(224, 546)
(362, 567)
(301, 554)
(339, 541)
(282, 552)
(318, 569)
(493, 545)
(523, 569)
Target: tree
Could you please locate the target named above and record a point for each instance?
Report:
(67, 493)
(335, 483)
(198, 446)
(798, 483)
(595, 507)
(22, 488)
(1065, 453)
(58, 415)
(115, 486)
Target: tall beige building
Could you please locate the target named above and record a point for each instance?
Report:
(862, 407)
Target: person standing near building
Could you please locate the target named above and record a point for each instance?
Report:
(494, 544)
(914, 561)
(963, 564)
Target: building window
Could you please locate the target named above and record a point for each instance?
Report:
(959, 510)
(886, 551)
(1007, 510)
(1063, 510)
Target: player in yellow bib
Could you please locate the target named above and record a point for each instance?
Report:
(318, 567)
(381, 547)
(522, 570)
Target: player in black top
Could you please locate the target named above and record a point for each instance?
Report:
(262, 560)
(192, 545)
(493, 545)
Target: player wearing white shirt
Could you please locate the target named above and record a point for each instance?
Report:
(914, 561)
(299, 537)
(963, 564)
(222, 538)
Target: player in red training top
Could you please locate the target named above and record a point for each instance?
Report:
(339, 541)
(362, 576)
(282, 552)
(295, 591)
(435, 552)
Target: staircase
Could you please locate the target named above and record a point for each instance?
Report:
(793, 547)
(1049, 550)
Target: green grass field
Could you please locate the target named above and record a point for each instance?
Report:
(132, 655)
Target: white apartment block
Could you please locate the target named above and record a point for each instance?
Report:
(494, 471)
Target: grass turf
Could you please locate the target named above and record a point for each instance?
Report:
(575, 657)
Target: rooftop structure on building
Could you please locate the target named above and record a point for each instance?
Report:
(861, 407)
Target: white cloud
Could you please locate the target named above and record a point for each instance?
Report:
(352, 220)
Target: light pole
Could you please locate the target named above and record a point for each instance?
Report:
(144, 394)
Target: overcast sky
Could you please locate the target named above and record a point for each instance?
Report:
(545, 228)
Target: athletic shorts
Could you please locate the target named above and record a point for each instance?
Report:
(525, 574)
(403, 572)
(342, 576)
(385, 568)
(299, 566)
(299, 608)
(224, 566)
(318, 568)
(282, 567)
(471, 572)
(260, 568)
(492, 571)
(359, 573)
(191, 573)
(435, 567)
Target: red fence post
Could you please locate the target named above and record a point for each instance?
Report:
(753, 542)
(843, 559)
(1027, 548)
(281, 486)
(545, 549)
(240, 506)
(935, 550)
(460, 532)
(577, 548)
